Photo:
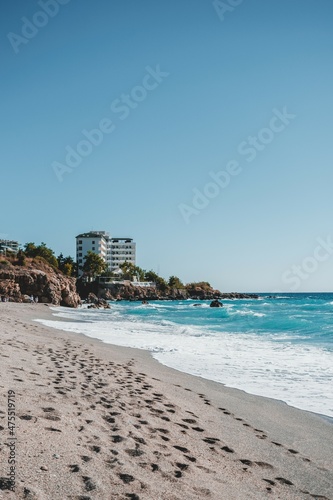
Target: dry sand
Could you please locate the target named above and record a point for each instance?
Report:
(96, 421)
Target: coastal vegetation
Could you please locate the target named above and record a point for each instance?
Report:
(66, 265)
(36, 271)
(93, 265)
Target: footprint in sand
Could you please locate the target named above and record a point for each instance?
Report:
(117, 439)
(246, 462)
(74, 468)
(211, 440)
(227, 449)
(88, 483)
(26, 417)
(264, 465)
(134, 452)
(181, 448)
(95, 448)
(164, 431)
(269, 481)
(182, 466)
(54, 418)
(282, 480)
(126, 478)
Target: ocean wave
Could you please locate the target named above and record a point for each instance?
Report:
(248, 312)
(279, 351)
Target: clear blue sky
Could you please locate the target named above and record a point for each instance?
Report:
(225, 77)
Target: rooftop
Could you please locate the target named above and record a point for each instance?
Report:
(122, 239)
(93, 234)
(7, 242)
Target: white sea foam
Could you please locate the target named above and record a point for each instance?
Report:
(300, 375)
(248, 312)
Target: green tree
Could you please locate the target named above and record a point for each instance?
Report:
(130, 271)
(47, 254)
(67, 265)
(60, 260)
(33, 251)
(93, 265)
(30, 250)
(161, 284)
(174, 282)
(151, 276)
(109, 274)
(21, 260)
(67, 269)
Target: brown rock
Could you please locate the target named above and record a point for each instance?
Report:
(40, 280)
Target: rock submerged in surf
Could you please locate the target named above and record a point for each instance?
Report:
(216, 303)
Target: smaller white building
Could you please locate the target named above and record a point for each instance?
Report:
(8, 246)
(121, 250)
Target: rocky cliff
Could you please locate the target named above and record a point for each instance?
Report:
(37, 278)
(197, 291)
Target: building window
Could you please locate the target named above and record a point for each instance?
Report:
(80, 248)
(80, 254)
(93, 242)
(93, 248)
(80, 242)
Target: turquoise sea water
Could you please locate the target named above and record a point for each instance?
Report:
(280, 346)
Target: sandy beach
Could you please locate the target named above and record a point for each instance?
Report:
(96, 421)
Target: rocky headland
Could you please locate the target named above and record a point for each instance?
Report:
(45, 283)
(39, 280)
(128, 291)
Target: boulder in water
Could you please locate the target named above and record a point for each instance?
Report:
(216, 303)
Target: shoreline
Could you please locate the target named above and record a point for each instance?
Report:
(295, 399)
(327, 418)
(247, 446)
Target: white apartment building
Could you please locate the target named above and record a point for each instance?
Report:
(114, 251)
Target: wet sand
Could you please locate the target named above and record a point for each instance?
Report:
(97, 421)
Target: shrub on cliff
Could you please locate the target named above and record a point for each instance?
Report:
(67, 265)
(31, 250)
(161, 284)
(21, 260)
(174, 282)
(204, 285)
